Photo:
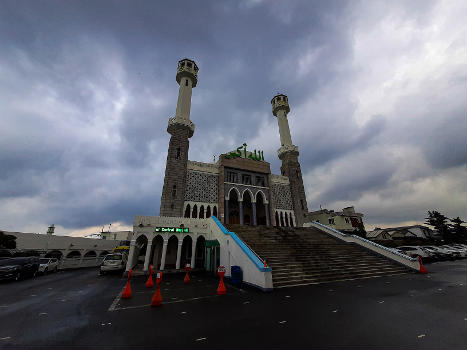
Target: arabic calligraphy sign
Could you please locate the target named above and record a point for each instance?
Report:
(242, 153)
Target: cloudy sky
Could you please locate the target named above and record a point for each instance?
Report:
(377, 92)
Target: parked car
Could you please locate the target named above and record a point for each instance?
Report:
(454, 253)
(434, 253)
(113, 262)
(414, 252)
(461, 248)
(18, 267)
(48, 265)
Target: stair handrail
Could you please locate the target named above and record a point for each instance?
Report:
(367, 241)
(259, 262)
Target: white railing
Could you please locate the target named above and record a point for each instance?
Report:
(375, 247)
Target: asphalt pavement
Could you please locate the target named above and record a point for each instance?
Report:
(79, 309)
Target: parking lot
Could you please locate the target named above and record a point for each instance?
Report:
(79, 309)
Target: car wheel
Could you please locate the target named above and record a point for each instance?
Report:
(56, 269)
(46, 271)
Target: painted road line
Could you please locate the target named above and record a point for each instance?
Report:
(164, 303)
(5, 338)
(200, 339)
(116, 300)
(282, 322)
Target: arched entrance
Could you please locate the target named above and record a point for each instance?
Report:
(234, 207)
(185, 257)
(54, 254)
(171, 256)
(140, 251)
(260, 209)
(74, 254)
(247, 208)
(157, 245)
(200, 252)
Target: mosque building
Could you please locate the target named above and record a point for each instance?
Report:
(240, 187)
(202, 203)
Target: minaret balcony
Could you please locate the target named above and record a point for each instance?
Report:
(187, 68)
(287, 148)
(174, 122)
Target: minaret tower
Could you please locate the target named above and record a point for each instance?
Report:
(288, 154)
(181, 129)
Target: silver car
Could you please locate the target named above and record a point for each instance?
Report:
(47, 265)
(113, 262)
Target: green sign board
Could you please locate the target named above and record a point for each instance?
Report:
(242, 153)
(172, 229)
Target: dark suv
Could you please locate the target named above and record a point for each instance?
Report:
(18, 267)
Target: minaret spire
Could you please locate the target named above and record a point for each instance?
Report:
(288, 154)
(181, 129)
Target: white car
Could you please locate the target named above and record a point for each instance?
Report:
(113, 262)
(47, 265)
(460, 248)
(414, 252)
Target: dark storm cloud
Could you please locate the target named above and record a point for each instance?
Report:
(87, 88)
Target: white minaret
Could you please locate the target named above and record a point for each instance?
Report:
(187, 77)
(51, 229)
(280, 108)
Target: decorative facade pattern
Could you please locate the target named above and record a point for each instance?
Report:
(201, 187)
(282, 196)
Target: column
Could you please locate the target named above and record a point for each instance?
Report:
(253, 206)
(164, 253)
(179, 254)
(240, 204)
(193, 252)
(266, 209)
(147, 257)
(226, 212)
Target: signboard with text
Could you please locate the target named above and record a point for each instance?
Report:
(172, 229)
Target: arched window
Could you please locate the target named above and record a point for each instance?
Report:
(174, 191)
(214, 211)
(201, 212)
(208, 212)
(178, 153)
(187, 211)
(195, 212)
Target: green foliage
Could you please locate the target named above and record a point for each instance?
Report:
(7, 241)
(452, 232)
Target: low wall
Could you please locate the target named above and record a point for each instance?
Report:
(76, 263)
(234, 252)
(403, 259)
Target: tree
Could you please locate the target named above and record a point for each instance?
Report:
(7, 241)
(439, 222)
(458, 231)
(361, 232)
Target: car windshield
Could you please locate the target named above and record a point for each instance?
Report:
(44, 261)
(113, 257)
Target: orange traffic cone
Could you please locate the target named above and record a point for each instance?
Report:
(221, 289)
(186, 280)
(126, 294)
(422, 268)
(157, 297)
(150, 282)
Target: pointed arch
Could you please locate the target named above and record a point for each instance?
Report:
(195, 211)
(188, 211)
(291, 221)
(282, 220)
(286, 219)
(277, 219)
(238, 193)
(201, 212)
(208, 212)
(262, 195)
(251, 194)
(214, 211)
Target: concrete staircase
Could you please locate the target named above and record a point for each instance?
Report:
(300, 256)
